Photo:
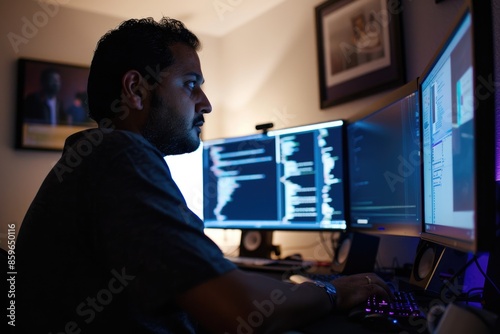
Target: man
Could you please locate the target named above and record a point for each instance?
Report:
(44, 106)
(109, 245)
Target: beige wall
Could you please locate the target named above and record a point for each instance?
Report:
(248, 82)
(64, 36)
(270, 74)
(264, 71)
(61, 35)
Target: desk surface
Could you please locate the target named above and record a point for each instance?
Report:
(342, 323)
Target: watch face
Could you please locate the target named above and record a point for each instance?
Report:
(330, 288)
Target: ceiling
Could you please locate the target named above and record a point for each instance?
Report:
(209, 17)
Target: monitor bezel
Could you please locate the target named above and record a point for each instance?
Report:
(240, 225)
(484, 125)
(384, 228)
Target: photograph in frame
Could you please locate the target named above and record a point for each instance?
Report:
(359, 49)
(51, 103)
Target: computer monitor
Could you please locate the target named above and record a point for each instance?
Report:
(458, 135)
(240, 182)
(288, 179)
(384, 166)
(186, 170)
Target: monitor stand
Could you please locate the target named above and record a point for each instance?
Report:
(257, 243)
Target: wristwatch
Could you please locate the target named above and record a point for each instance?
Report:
(330, 290)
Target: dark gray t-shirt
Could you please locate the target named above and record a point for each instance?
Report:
(109, 243)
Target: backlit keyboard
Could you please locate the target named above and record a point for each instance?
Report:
(403, 305)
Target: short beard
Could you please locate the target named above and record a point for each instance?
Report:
(163, 133)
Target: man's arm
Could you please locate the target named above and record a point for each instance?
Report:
(239, 301)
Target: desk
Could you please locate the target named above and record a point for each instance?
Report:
(342, 323)
(336, 324)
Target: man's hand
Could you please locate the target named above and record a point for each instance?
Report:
(353, 290)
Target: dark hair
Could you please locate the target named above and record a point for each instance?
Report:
(137, 44)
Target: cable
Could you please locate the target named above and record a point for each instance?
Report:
(462, 270)
(486, 276)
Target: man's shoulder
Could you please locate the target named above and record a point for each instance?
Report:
(99, 138)
(100, 149)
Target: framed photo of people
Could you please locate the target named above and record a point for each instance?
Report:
(51, 103)
(359, 48)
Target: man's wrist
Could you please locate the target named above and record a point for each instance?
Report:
(330, 290)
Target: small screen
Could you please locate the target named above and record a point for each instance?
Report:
(384, 167)
(286, 179)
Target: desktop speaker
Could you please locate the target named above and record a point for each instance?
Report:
(434, 264)
(255, 243)
(355, 253)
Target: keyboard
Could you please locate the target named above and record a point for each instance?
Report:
(404, 305)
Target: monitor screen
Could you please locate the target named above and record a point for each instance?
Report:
(186, 170)
(458, 132)
(288, 179)
(384, 166)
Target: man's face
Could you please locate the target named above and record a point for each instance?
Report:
(53, 84)
(178, 105)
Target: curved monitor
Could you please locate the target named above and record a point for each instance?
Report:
(384, 166)
(289, 179)
(458, 135)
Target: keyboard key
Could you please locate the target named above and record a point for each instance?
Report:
(404, 305)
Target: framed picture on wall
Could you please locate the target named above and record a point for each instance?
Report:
(359, 48)
(51, 103)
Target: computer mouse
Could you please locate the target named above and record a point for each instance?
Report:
(382, 323)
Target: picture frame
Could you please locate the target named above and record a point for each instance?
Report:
(359, 49)
(51, 103)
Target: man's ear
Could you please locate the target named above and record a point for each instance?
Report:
(132, 86)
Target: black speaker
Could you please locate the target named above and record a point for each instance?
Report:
(256, 243)
(435, 264)
(356, 253)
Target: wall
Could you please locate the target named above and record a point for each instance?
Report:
(55, 34)
(270, 75)
(263, 71)
(64, 36)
